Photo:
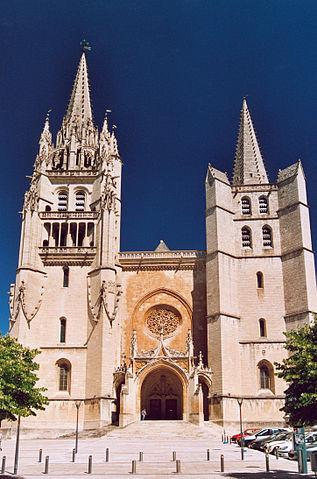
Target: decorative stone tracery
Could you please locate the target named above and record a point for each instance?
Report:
(162, 321)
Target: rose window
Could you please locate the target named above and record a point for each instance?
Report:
(163, 321)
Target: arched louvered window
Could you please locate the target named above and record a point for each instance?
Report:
(259, 279)
(267, 236)
(246, 237)
(262, 328)
(80, 201)
(263, 205)
(62, 201)
(245, 206)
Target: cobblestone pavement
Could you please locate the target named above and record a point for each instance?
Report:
(157, 440)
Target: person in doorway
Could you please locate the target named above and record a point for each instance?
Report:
(143, 414)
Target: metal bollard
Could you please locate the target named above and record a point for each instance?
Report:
(242, 453)
(40, 455)
(178, 466)
(267, 462)
(133, 467)
(222, 463)
(107, 454)
(89, 464)
(141, 456)
(3, 465)
(174, 455)
(73, 455)
(276, 452)
(47, 460)
(208, 455)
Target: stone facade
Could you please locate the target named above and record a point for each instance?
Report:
(182, 334)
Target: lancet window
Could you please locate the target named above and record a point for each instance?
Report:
(62, 333)
(64, 372)
(262, 328)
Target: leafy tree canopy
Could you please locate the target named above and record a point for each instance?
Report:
(299, 370)
(18, 392)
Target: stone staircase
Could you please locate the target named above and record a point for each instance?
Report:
(152, 429)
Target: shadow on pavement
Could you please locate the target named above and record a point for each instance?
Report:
(279, 474)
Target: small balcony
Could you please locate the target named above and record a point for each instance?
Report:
(68, 215)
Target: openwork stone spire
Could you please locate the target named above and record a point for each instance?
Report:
(79, 107)
(248, 165)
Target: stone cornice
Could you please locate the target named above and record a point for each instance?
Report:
(160, 260)
(254, 188)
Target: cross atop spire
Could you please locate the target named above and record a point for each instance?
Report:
(248, 164)
(79, 107)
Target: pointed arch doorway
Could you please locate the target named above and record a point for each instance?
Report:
(162, 395)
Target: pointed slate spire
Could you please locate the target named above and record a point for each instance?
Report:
(248, 164)
(79, 107)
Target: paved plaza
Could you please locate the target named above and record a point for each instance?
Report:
(157, 440)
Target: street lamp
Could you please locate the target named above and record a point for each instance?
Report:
(17, 445)
(240, 402)
(77, 404)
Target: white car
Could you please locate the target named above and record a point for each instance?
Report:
(280, 441)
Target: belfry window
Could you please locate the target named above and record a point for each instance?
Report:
(263, 205)
(62, 201)
(62, 335)
(65, 276)
(80, 201)
(246, 237)
(260, 280)
(262, 328)
(245, 206)
(267, 236)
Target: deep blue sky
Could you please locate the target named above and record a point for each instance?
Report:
(174, 73)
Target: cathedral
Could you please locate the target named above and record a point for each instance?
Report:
(182, 334)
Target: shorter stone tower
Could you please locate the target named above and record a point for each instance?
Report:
(260, 278)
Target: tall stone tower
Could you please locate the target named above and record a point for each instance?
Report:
(260, 277)
(66, 297)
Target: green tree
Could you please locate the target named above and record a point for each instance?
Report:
(299, 370)
(18, 392)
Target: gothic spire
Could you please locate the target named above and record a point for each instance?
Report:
(79, 107)
(248, 164)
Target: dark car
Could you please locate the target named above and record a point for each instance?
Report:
(263, 434)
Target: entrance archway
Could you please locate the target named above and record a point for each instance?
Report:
(162, 395)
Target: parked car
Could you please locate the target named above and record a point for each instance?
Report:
(264, 433)
(247, 432)
(309, 448)
(285, 448)
(260, 443)
(282, 439)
